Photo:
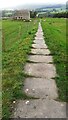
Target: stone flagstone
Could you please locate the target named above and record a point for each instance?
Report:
(38, 58)
(41, 87)
(39, 41)
(40, 108)
(41, 46)
(40, 70)
(40, 37)
(40, 51)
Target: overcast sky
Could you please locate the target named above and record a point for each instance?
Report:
(14, 3)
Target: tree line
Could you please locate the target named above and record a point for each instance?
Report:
(60, 15)
(54, 15)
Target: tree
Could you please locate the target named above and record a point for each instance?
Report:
(33, 14)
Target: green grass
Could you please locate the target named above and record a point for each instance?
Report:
(55, 38)
(17, 41)
(0, 68)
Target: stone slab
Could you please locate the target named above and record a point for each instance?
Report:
(39, 29)
(40, 70)
(41, 87)
(41, 108)
(41, 46)
(39, 38)
(40, 51)
(39, 41)
(40, 58)
(39, 34)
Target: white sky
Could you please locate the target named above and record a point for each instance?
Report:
(13, 3)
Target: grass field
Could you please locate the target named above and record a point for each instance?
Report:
(55, 38)
(17, 40)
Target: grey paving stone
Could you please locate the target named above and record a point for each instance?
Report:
(40, 70)
(40, 51)
(39, 37)
(41, 108)
(39, 32)
(39, 42)
(40, 58)
(41, 46)
(41, 87)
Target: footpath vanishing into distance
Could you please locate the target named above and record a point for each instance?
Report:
(41, 84)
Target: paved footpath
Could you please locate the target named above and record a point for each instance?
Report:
(41, 85)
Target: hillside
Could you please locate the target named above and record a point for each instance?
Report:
(51, 8)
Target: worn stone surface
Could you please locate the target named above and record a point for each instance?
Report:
(40, 51)
(40, 70)
(41, 46)
(39, 41)
(40, 108)
(40, 38)
(41, 87)
(39, 58)
(39, 33)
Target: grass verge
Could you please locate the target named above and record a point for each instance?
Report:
(55, 37)
(17, 40)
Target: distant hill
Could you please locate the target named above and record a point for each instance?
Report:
(56, 7)
(53, 6)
